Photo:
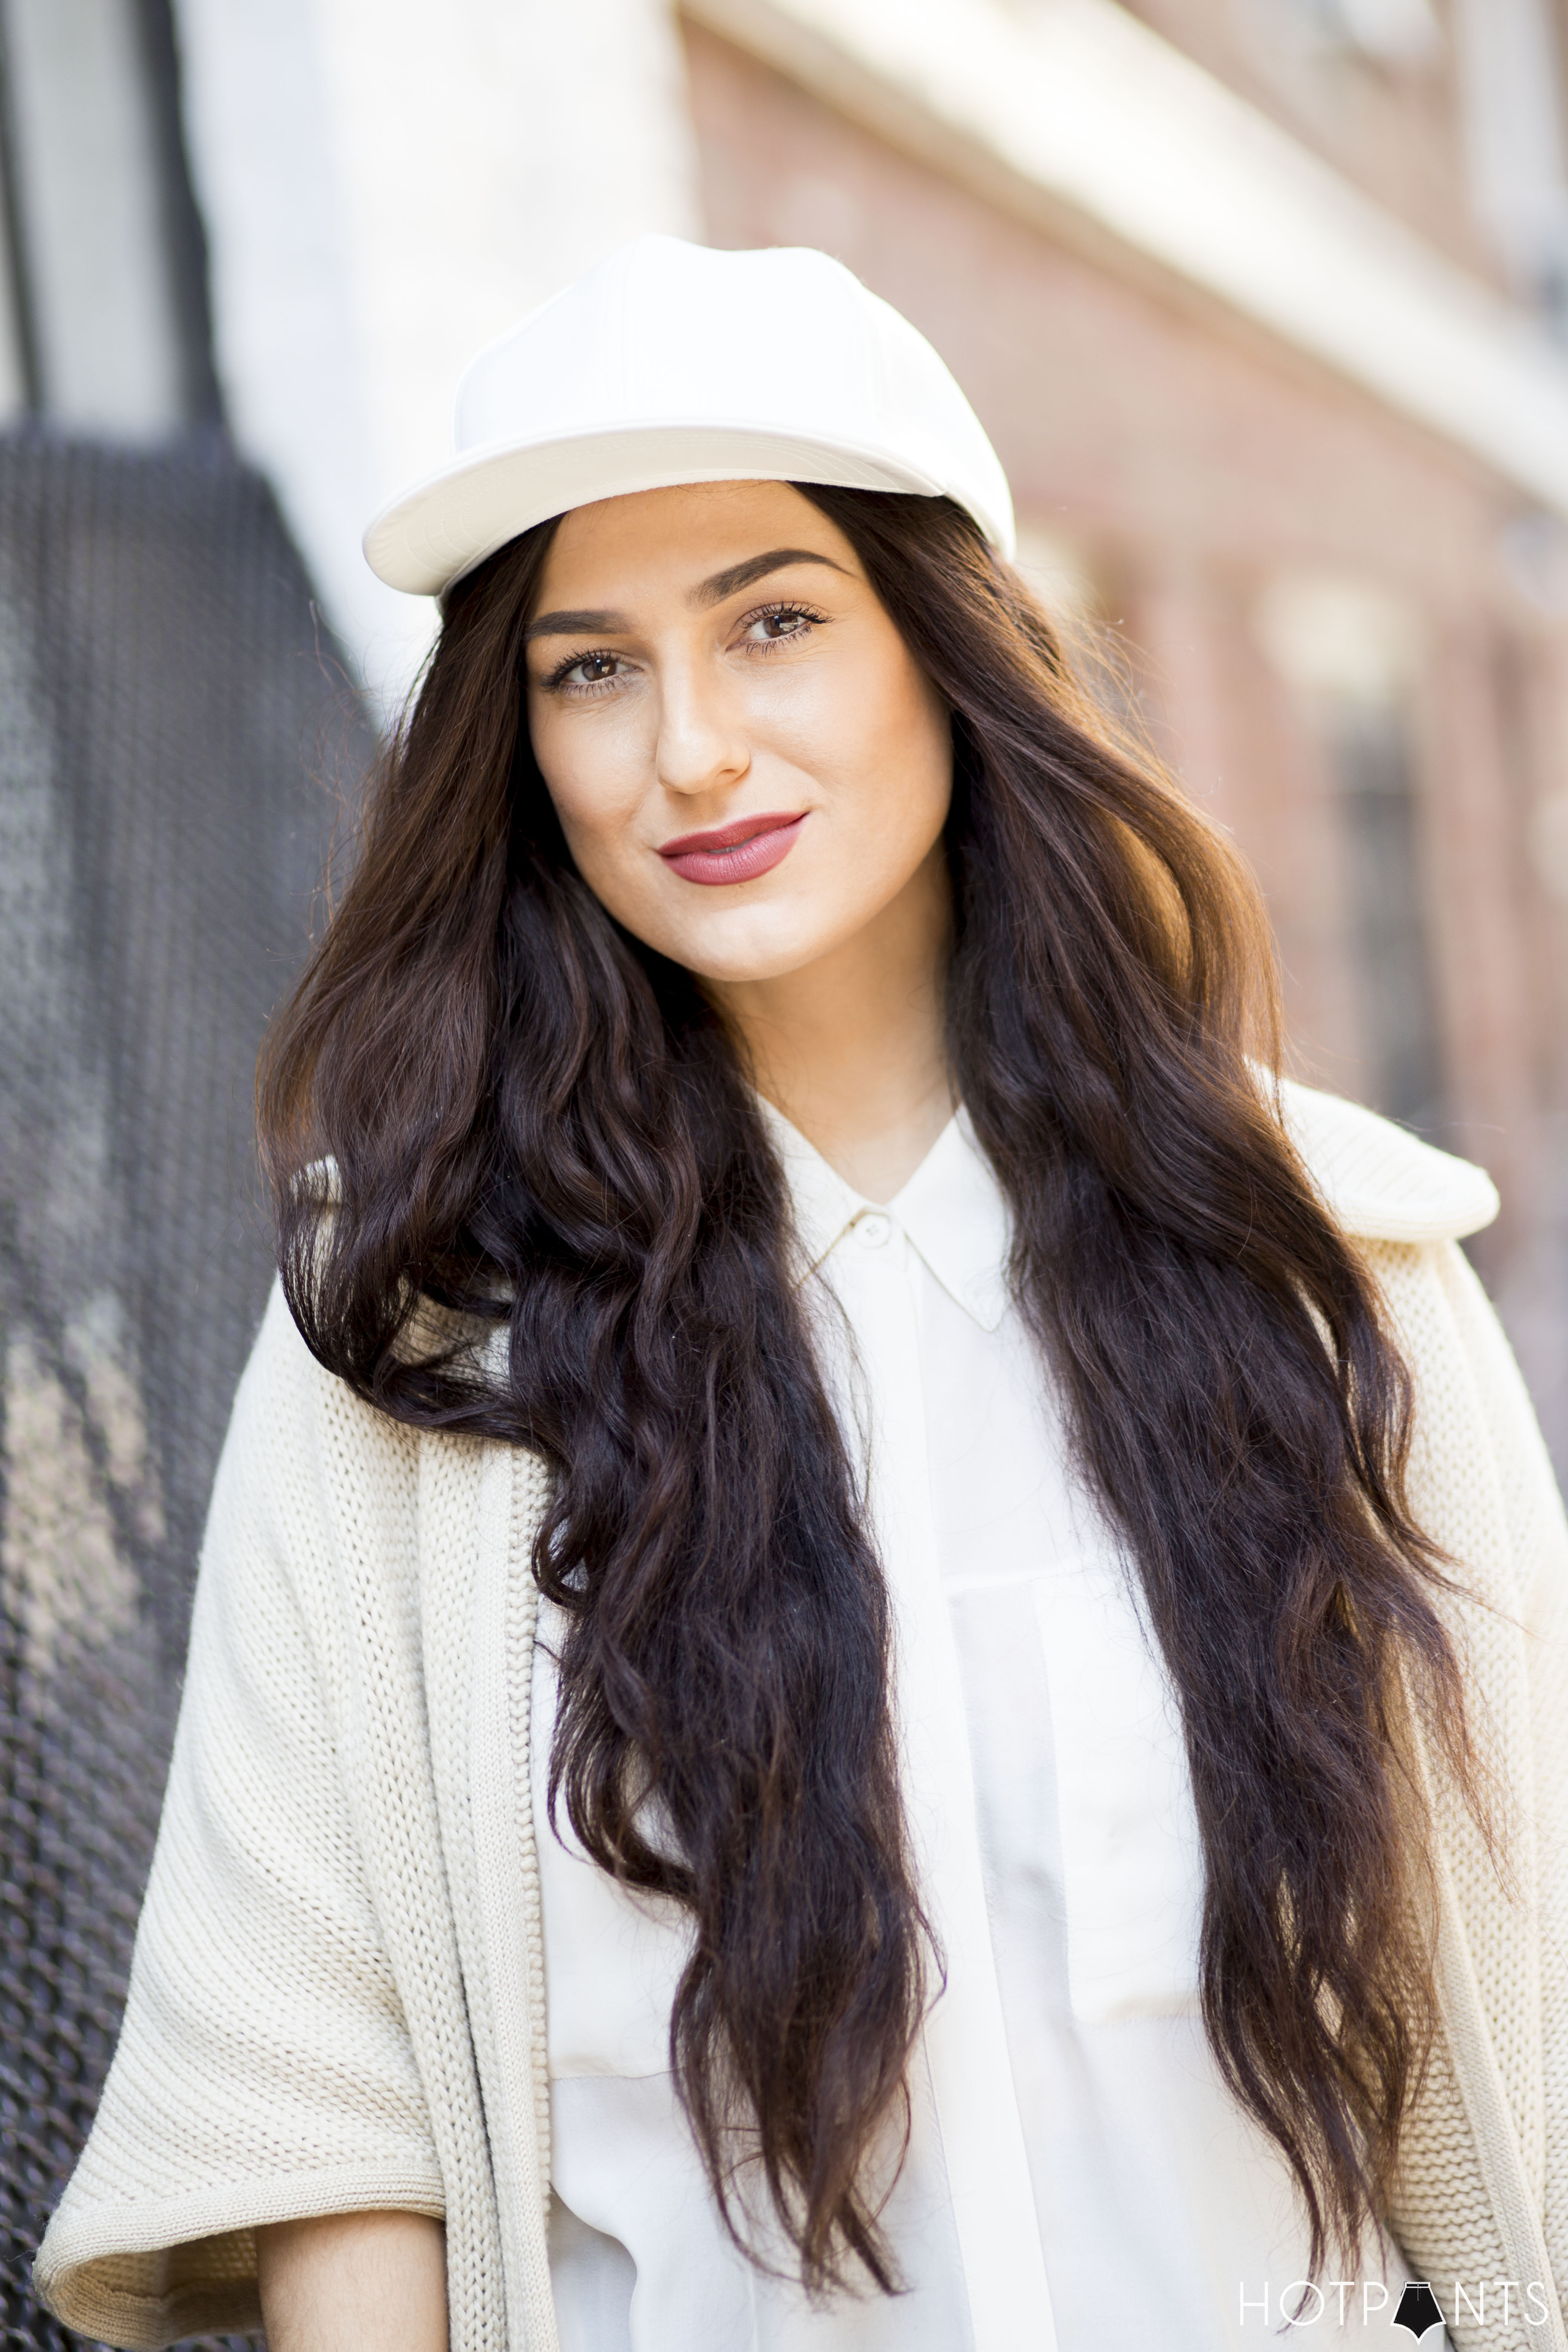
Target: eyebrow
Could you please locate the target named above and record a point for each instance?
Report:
(757, 567)
(724, 583)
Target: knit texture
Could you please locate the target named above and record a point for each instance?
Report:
(1482, 2184)
(337, 1999)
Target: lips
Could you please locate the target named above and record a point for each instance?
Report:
(736, 852)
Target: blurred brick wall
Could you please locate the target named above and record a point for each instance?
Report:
(1206, 492)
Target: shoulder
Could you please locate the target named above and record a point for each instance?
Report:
(303, 1451)
(283, 1382)
(1379, 1181)
(1480, 1482)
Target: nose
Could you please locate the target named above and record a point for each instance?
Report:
(702, 747)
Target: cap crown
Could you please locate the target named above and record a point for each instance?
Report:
(673, 362)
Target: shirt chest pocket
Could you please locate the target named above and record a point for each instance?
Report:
(1131, 1855)
(613, 1958)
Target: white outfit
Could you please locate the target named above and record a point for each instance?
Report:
(338, 2002)
(1074, 2154)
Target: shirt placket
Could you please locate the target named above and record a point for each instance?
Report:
(983, 2149)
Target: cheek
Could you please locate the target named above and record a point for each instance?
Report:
(894, 749)
(594, 786)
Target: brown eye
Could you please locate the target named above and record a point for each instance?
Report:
(773, 628)
(588, 670)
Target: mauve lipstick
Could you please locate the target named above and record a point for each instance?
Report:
(736, 852)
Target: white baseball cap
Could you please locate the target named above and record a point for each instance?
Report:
(671, 363)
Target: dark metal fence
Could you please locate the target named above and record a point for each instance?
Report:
(173, 736)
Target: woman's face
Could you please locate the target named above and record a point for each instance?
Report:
(748, 765)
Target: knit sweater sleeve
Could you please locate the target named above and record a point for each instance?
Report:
(264, 2070)
(1484, 2160)
(1539, 1537)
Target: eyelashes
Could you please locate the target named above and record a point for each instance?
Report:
(562, 681)
(562, 671)
(802, 613)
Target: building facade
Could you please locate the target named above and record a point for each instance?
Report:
(1346, 630)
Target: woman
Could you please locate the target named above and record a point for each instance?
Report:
(879, 1660)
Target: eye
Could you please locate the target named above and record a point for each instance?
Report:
(586, 670)
(778, 624)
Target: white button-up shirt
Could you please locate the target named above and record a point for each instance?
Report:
(1076, 2174)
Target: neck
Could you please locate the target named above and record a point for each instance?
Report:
(851, 1049)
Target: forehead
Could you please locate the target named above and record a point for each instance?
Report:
(673, 537)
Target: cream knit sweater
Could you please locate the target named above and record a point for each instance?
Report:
(337, 1999)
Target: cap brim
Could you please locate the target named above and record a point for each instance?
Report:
(441, 528)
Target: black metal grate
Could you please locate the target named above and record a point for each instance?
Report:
(171, 736)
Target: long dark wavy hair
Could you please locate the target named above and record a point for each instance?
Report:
(538, 1123)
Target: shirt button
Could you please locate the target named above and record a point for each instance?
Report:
(873, 1231)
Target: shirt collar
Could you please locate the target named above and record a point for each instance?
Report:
(952, 1209)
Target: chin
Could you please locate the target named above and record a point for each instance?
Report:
(733, 962)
